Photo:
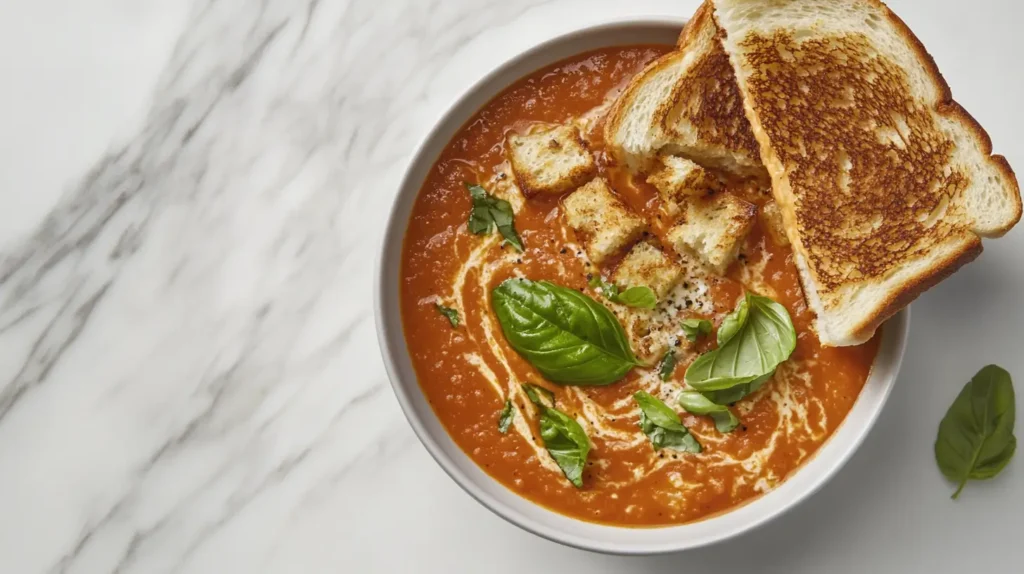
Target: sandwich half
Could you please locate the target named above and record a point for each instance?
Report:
(885, 184)
(685, 103)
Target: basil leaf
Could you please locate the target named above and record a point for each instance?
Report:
(640, 297)
(734, 394)
(733, 322)
(753, 341)
(537, 394)
(667, 365)
(489, 212)
(694, 329)
(451, 314)
(505, 417)
(975, 440)
(698, 404)
(570, 338)
(567, 442)
(662, 425)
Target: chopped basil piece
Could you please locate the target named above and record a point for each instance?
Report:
(698, 404)
(490, 212)
(539, 395)
(505, 417)
(662, 425)
(694, 329)
(640, 296)
(667, 365)
(567, 442)
(451, 314)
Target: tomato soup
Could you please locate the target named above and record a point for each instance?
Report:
(467, 372)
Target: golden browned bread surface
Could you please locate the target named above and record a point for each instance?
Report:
(685, 103)
(884, 182)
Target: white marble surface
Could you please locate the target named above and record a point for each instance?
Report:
(190, 204)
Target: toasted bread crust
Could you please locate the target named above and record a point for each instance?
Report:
(707, 97)
(685, 103)
(626, 100)
(952, 109)
(911, 290)
(874, 164)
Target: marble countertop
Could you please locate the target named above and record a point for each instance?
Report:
(191, 199)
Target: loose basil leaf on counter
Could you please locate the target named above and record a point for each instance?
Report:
(451, 314)
(537, 394)
(698, 404)
(753, 340)
(489, 212)
(662, 425)
(975, 440)
(570, 338)
(567, 442)
(641, 296)
(506, 416)
(694, 329)
(667, 365)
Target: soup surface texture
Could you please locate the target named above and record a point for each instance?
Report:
(467, 372)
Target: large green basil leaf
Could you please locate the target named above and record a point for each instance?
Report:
(570, 338)
(975, 440)
(698, 404)
(753, 340)
(490, 212)
(662, 425)
(567, 442)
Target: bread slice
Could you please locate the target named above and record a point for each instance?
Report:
(685, 103)
(884, 182)
(551, 161)
(601, 220)
(713, 228)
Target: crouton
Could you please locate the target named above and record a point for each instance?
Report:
(771, 219)
(713, 228)
(602, 222)
(652, 332)
(677, 178)
(553, 161)
(648, 266)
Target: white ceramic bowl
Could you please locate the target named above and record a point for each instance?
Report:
(505, 503)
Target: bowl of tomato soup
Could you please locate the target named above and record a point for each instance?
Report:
(589, 463)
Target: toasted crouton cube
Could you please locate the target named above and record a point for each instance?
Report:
(648, 265)
(601, 220)
(713, 228)
(771, 218)
(678, 178)
(652, 332)
(552, 161)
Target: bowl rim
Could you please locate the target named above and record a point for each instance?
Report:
(394, 349)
